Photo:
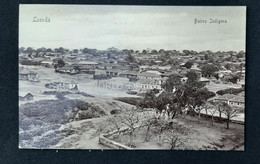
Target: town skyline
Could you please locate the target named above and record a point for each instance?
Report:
(81, 48)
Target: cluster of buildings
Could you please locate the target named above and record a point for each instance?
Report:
(231, 99)
(29, 76)
(27, 97)
(63, 86)
(105, 69)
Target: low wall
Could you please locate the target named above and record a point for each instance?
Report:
(112, 144)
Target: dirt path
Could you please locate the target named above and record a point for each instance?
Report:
(84, 134)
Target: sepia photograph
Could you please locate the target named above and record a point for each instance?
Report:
(132, 77)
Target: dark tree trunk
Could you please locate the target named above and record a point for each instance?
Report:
(199, 117)
(147, 132)
(228, 119)
(160, 135)
(174, 114)
(131, 137)
(219, 116)
(212, 120)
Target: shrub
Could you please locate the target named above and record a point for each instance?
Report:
(129, 100)
(114, 111)
(234, 91)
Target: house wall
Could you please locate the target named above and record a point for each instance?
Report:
(146, 86)
(231, 103)
(235, 103)
(28, 98)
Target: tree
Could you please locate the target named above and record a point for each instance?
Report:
(175, 63)
(131, 119)
(192, 76)
(115, 122)
(174, 108)
(212, 109)
(61, 63)
(209, 70)
(167, 55)
(233, 79)
(76, 51)
(60, 50)
(108, 55)
(234, 91)
(144, 52)
(153, 100)
(43, 49)
(227, 66)
(240, 54)
(192, 94)
(161, 50)
(131, 51)
(188, 64)
(148, 121)
(154, 52)
(21, 50)
(163, 124)
(186, 52)
(29, 50)
(173, 82)
(206, 57)
(195, 94)
(49, 50)
(216, 76)
(219, 106)
(130, 58)
(152, 62)
(230, 112)
(172, 138)
(85, 50)
(198, 109)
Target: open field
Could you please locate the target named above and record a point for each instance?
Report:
(48, 75)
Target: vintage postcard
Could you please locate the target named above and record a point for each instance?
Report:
(132, 77)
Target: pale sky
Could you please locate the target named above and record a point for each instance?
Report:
(132, 27)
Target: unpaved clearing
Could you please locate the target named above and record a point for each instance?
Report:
(199, 136)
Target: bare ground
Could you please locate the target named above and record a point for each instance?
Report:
(200, 136)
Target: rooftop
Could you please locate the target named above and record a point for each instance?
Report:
(129, 72)
(113, 70)
(87, 62)
(231, 97)
(148, 74)
(147, 81)
(204, 79)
